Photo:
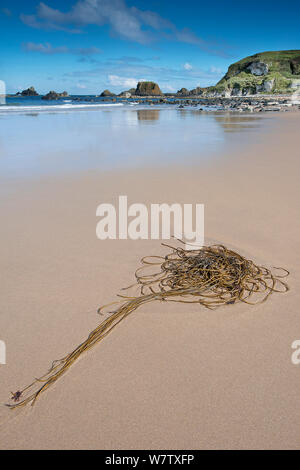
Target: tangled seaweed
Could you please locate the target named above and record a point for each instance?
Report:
(211, 276)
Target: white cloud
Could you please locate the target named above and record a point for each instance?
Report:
(88, 50)
(81, 85)
(123, 75)
(126, 22)
(115, 80)
(6, 11)
(169, 88)
(187, 66)
(47, 48)
(215, 70)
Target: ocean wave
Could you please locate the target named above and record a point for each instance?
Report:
(57, 107)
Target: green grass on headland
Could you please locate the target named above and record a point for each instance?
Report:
(282, 67)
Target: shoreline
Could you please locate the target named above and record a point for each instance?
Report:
(256, 103)
(125, 138)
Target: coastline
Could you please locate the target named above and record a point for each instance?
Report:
(248, 103)
(170, 376)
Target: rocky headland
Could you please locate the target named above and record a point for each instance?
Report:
(267, 72)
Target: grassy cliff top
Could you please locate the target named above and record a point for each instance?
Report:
(279, 68)
(277, 61)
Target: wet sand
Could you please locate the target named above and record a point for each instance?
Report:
(171, 376)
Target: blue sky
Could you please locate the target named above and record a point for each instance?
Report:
(85, 46)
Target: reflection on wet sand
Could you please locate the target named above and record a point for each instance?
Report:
(229, 122)
(233, 123)
(184, 113)
(148, 114)
(121, 137)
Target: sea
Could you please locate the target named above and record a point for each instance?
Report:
(79, 133)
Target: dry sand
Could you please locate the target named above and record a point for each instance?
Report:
(170, 376)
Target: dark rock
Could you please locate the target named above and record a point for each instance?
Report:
(295, 66)
(53, 95)
(107, 93)
(272, 108)
(183, 92)
(29, 92)
(258, 68)
(197, 91)
(148, 89)
(127, 93)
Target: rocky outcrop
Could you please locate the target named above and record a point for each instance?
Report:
(194, 92)
(265, 72)
(237, 91)
(53, 95)
(295, 86)
(128, 93)
(268, 85)
(295, 66)
(258, 68)
(125, 94)
(29, 92)
(107, 94)
(197, 91)
(183, 92)
(148, 89)
(227, 102)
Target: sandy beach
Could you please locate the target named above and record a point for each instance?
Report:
(171, 376)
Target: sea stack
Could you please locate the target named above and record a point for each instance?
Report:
(148, 89)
